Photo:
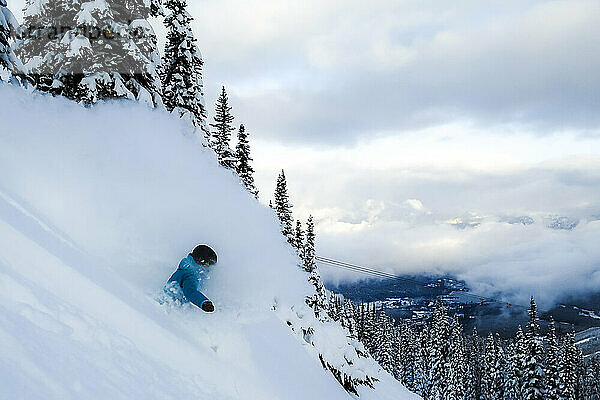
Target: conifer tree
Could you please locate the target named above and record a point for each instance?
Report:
(334, 307)
(385, 336)
(408, 353)
(299, 236)
(423, 381)
(552, 365)
(592, 379)
(181, 69)
(283, 208)
(440, 334)
(308, 254)
(519, 363)
(533, 379)
(475, 366)
(90, 51)
(9, 29)
(396, 349)
(500, 371)
(318, 301)
(221, 135)
(489, 369)
(570, 360)
(366, 325)
(348, 320)
(457, 368)
(243, 159)
(43, 44)
(361, 322)
(511, 384)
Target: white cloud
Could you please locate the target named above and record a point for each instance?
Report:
(338, 71)
(475, 205)
(415, 204)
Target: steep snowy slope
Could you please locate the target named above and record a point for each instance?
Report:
(96, 209)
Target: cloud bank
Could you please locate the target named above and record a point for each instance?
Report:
(334, 72)
(511, 227)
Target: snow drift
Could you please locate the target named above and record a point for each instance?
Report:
(97, 206)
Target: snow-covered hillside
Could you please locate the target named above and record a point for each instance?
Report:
(589, 341)
(97, 206)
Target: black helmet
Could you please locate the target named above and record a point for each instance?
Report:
(204, 255)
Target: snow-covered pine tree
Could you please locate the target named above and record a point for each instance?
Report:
(243, 159)
(457, 366)
(334, 310)
(489, 369)
(181, 69)
(396, 349)
(500, 373)
(339, 305)
(552, 365)
(423, 384)
(570, 361)
(383, 351)
(318, 301)
(9, 29)
(90, 51)
(308, 250)
(360, 317)
(348, 320)
(511, 384)
(592, 382)
(299, 237)
(440, 335)
(533, 379)
(368, 334)
(221, 135)
(407, 356)
(474, 355)
(376, 344)
(519, 362)
(592, 379)
(41, 48)
(283, 208)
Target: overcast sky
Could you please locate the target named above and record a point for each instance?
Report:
(420, 132)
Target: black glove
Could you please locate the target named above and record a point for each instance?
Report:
(208, 306)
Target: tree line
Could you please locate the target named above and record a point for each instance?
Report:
(438, 361)
(303, 242)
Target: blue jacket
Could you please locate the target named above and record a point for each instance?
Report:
(190, 277)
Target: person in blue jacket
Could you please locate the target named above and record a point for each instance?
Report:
(192, 271)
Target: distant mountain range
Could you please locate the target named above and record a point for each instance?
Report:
(557, 222)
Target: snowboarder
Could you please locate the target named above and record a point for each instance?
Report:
(192, 271)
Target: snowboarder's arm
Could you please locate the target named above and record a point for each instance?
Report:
(193, 294)
(176, 277)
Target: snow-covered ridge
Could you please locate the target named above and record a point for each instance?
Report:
(589, 341)
(556, 222)
(97, 206)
